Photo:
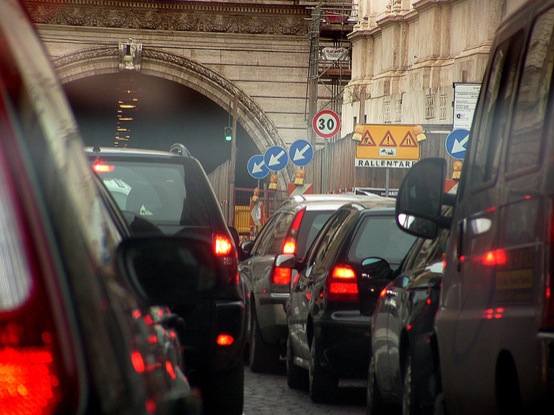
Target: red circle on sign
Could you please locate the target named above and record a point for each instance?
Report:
(326, 123)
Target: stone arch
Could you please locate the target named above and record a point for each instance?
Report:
(157, 63)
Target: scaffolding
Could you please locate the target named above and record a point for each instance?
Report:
(330, 56)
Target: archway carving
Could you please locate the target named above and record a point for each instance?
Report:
(157, 63)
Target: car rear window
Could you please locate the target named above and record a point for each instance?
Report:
(312, 222)
(380, 236)
(159, 192)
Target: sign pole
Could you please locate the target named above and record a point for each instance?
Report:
(324, 181)
(232, 165)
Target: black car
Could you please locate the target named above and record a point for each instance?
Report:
(75, 336)
(402, 366)
(291, 229)
(169, 192)
(328, 334)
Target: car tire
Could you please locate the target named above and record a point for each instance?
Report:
(322, 384)
(297, 377)
(374, 402)
(262, 357)
(223, 391)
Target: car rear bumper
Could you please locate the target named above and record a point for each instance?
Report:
(203, 327)
(343, 341)
(272, 317)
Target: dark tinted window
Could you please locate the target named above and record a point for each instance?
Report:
(379, 236)
(162, 193)
(524, 149)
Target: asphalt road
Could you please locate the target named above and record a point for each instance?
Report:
(266, 394)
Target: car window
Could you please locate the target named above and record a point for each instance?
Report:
(312, 223)
(328, 234)
(524, 149)
(379, 236)
(429, 251)
(162, 193)
(270, 239)
(491, 132)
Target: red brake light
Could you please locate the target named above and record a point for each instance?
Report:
(289, 247)
(101, 167)
(281, 276)
(34, 379)
(224, 340)
(222, 245)
(494, 258)
(342, 284)
(289, 244)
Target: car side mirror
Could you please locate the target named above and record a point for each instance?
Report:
(376, 273)
(420, 198)
(246, 248)
(168, 270)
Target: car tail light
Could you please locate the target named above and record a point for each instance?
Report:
(281, 276)
(37, 368)
(99, 166)
(342, 284)
(224, 248)
(289, 244)
(222, 245)
(224, 339)
(548, 311)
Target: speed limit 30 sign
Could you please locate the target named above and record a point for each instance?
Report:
(326, 123)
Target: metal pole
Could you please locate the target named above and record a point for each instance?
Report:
(324, 187)
(232, 165)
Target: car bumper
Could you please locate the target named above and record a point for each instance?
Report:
(343, 341)
(207, 322)
(272, 317)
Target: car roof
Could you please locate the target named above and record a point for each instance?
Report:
(116, 151)
(330, 201)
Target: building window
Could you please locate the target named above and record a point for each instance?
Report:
(430, 105)
(443, 106)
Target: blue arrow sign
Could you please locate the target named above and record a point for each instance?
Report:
(456, 143)
(276, 158)
(301, 153)
(256, 167)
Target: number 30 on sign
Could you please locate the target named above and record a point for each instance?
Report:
(326, 123)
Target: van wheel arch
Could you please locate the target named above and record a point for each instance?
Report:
(507, 389)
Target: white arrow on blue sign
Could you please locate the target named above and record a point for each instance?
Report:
(456, 143)
(301, 153)
(276, 158)
(256, 167)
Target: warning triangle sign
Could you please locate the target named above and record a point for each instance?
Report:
(367, 139)
(408, 141)
(388, 140)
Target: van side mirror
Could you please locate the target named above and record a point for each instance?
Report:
(420, 198)
(168, 270)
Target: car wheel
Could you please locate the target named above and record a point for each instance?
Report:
(223, 391)
(262, 357)
(297, 377)
(409, 403)
(322, 385)
(374, 402)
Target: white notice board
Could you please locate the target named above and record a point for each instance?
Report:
(465, 100)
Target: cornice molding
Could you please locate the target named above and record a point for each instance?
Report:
(240, 18)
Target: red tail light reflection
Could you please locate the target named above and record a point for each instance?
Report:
(100, 166)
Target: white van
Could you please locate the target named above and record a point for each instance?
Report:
(495, 324)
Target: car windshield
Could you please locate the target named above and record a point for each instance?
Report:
(154, 191)
(379, 236)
